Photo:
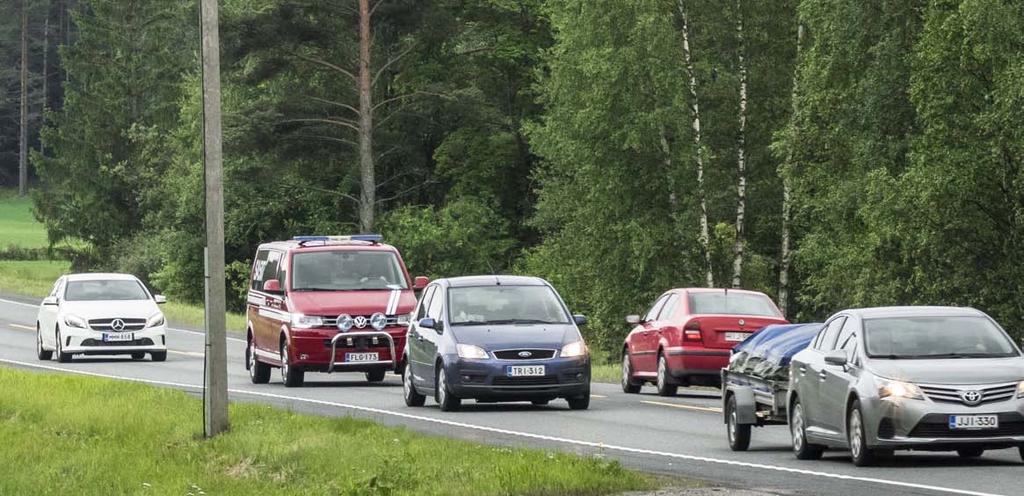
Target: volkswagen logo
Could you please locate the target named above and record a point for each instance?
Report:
(971, 398)
(360, 322)
(525, 354)
(117, 325)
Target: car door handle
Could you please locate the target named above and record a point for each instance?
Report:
(822, 375)
(803, 370)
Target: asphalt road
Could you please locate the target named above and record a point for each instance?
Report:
(681, 436)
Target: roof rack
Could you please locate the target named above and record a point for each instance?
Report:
(368, 238)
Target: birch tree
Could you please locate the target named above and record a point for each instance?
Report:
(785, 254)
(23, 122)
(741, 159)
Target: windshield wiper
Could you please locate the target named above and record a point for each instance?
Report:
(963, 355)
(520, 321)
(318, 289)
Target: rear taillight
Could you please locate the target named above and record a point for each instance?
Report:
(691, 331)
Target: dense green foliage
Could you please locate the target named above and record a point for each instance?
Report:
(556, 138)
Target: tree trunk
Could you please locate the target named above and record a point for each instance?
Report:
(368, 192)
(705, 238)
(785, 255)
(46, 70)
(23, 138)
(741, 161)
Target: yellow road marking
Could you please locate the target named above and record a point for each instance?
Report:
(19, 326)
(685, 407)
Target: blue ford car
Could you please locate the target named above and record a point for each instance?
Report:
(495, 338)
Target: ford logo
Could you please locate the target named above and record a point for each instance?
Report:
(971, 398)
(525, 354)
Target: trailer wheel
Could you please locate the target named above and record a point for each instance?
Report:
(739, 434)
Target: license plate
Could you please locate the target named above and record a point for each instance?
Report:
(361, 357)
(973, 422)
(736, 337)
(524, 370)
(117, 336)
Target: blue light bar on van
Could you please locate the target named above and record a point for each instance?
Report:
(369, 238)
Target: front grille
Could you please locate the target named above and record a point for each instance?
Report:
(951, 394)
(534, 354)
(936, 425)
(129, 324)
(136, 342)
(525, 381)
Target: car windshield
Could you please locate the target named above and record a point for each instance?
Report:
(936, 337)
(105, 290)
(347, 270)
(726, 303)
(478, 305)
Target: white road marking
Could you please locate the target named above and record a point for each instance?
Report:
(18, 303)
(25, 327)
(597, 396)
(528, 435)
(686, 407)
(186, 353)
(186, 331)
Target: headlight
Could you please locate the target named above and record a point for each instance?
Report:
(1020, 390)
(897, 389)
(576, 349)
(378, 321)
(156, 320)
(75, 321)
(300, 321)
(470, 351)
(345, 322)
(404, 319)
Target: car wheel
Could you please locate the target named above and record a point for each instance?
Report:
(970, 452)
(797, 428)
(581, 402)
(138, 356)
(861, 454)
(41, 353)
(376, 375)
(665, 388)
(448, 401)
(61, 356)
(259, 372)
(629, 385)
(158, 356)
(290, 376)
(739, 434)
(412, 397)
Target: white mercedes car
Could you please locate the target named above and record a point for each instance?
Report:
(101, 314)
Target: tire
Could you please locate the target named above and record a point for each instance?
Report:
(738, 434)
(540, 402)
(970, 452)
(41, 354)
(376, 375)
(138, 355)
(856, 436)
(581, 402)
(158, 356)
(61, 356)
(290, 376)
(665, 388)
(801, 448)
(1021, 449)
(444, 397)
(629, 385)
(259, 372)
(412, 397)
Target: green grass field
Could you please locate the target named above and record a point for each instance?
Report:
(17, 225)
(60, 437)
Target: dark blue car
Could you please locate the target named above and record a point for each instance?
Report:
(495, 338)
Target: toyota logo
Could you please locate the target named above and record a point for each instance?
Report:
(360, 322)
(117, 325)
(971, 398)
(525, 354)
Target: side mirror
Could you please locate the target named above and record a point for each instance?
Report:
(428, 323)
(837, 358)
(633, 319)
(160, 299)
(420, 282)
(581, 320)
(272, 286)
(50, 300)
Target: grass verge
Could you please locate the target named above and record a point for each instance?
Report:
(609, 373)
(60, 431)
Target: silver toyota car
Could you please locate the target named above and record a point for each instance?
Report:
(877, 380)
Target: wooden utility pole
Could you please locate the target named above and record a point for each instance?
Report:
(215, 380)
(23, 136)
(368, 189)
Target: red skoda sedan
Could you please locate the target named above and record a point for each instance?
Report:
(687, 335)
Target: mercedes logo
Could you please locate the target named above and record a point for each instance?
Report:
(525, 354)
(117, 325)
(360, 322)
(971, 398)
